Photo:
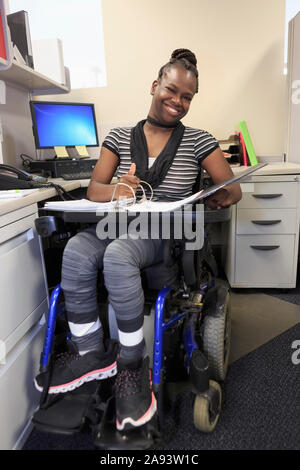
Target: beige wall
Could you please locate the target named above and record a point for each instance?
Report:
(239, 46)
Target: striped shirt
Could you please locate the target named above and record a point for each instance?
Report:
(195, 146)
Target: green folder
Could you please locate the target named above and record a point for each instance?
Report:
(248, 143)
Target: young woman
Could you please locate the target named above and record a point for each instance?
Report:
(169, 156)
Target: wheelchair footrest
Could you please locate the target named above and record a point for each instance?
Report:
(71, 412)
(109, 438)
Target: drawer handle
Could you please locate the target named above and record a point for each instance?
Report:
(265, 222)
(264, 247)
(266, 196)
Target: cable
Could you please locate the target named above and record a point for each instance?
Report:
(61, 192)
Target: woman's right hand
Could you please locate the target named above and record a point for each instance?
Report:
(130, 180)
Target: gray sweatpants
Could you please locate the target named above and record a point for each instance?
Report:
(121, 261)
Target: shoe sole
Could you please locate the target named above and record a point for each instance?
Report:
(99, 374)
(129, 423)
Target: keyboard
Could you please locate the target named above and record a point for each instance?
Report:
(83, 175)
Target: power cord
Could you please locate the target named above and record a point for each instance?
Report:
(61, 192)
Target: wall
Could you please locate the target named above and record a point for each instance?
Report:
(239, 46)
(17, 126)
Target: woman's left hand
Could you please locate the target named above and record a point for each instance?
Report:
(220, 199)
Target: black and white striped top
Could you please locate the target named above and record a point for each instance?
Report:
(196, 145)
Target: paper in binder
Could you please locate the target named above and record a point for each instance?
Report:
(146, 205)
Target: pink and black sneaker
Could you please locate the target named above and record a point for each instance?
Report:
(135, 400)
(71, 370)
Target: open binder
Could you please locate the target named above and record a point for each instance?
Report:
(147, 205)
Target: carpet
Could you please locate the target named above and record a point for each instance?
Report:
(261, 408)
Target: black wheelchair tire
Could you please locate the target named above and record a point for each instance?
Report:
(216, 341)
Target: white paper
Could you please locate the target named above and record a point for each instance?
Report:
(146, 206)
(80, 205)
(16, 193)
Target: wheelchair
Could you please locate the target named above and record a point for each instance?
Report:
(189, 327)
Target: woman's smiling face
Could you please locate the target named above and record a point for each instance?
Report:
(172, 95)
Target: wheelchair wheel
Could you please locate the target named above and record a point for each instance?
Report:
(216, 341)
(207, 409)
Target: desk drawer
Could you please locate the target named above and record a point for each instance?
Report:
(266, 221)
(268, 195)
(264, 260)
(22, 283)
(18, 396)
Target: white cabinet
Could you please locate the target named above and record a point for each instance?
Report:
(24, 302)
(263, 234)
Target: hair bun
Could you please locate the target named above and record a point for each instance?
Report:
(184, 54)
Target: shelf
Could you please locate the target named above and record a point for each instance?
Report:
(31, 80)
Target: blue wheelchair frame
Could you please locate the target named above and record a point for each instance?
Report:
(160, 327)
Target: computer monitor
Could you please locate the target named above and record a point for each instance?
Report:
(57, 124)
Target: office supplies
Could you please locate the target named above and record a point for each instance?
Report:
(244, 151)
(61, 152)
(64, 167)
(6, 50)
(83, 205)
(82, 151)
(231, 149)
(248, 143)
(16, 193)
(20, 34)
(58, 124)
(18, 56)
(2, 40)
(148, 205)
(153, 206)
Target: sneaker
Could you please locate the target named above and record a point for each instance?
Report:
(71, 370)
(135, 400)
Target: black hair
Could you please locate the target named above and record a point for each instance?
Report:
(185, 58)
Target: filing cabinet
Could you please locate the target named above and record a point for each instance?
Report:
(263, 234)
(24, 303)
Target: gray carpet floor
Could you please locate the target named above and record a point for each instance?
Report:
(261, 408)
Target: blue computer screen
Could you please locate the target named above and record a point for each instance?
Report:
(64, 124)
